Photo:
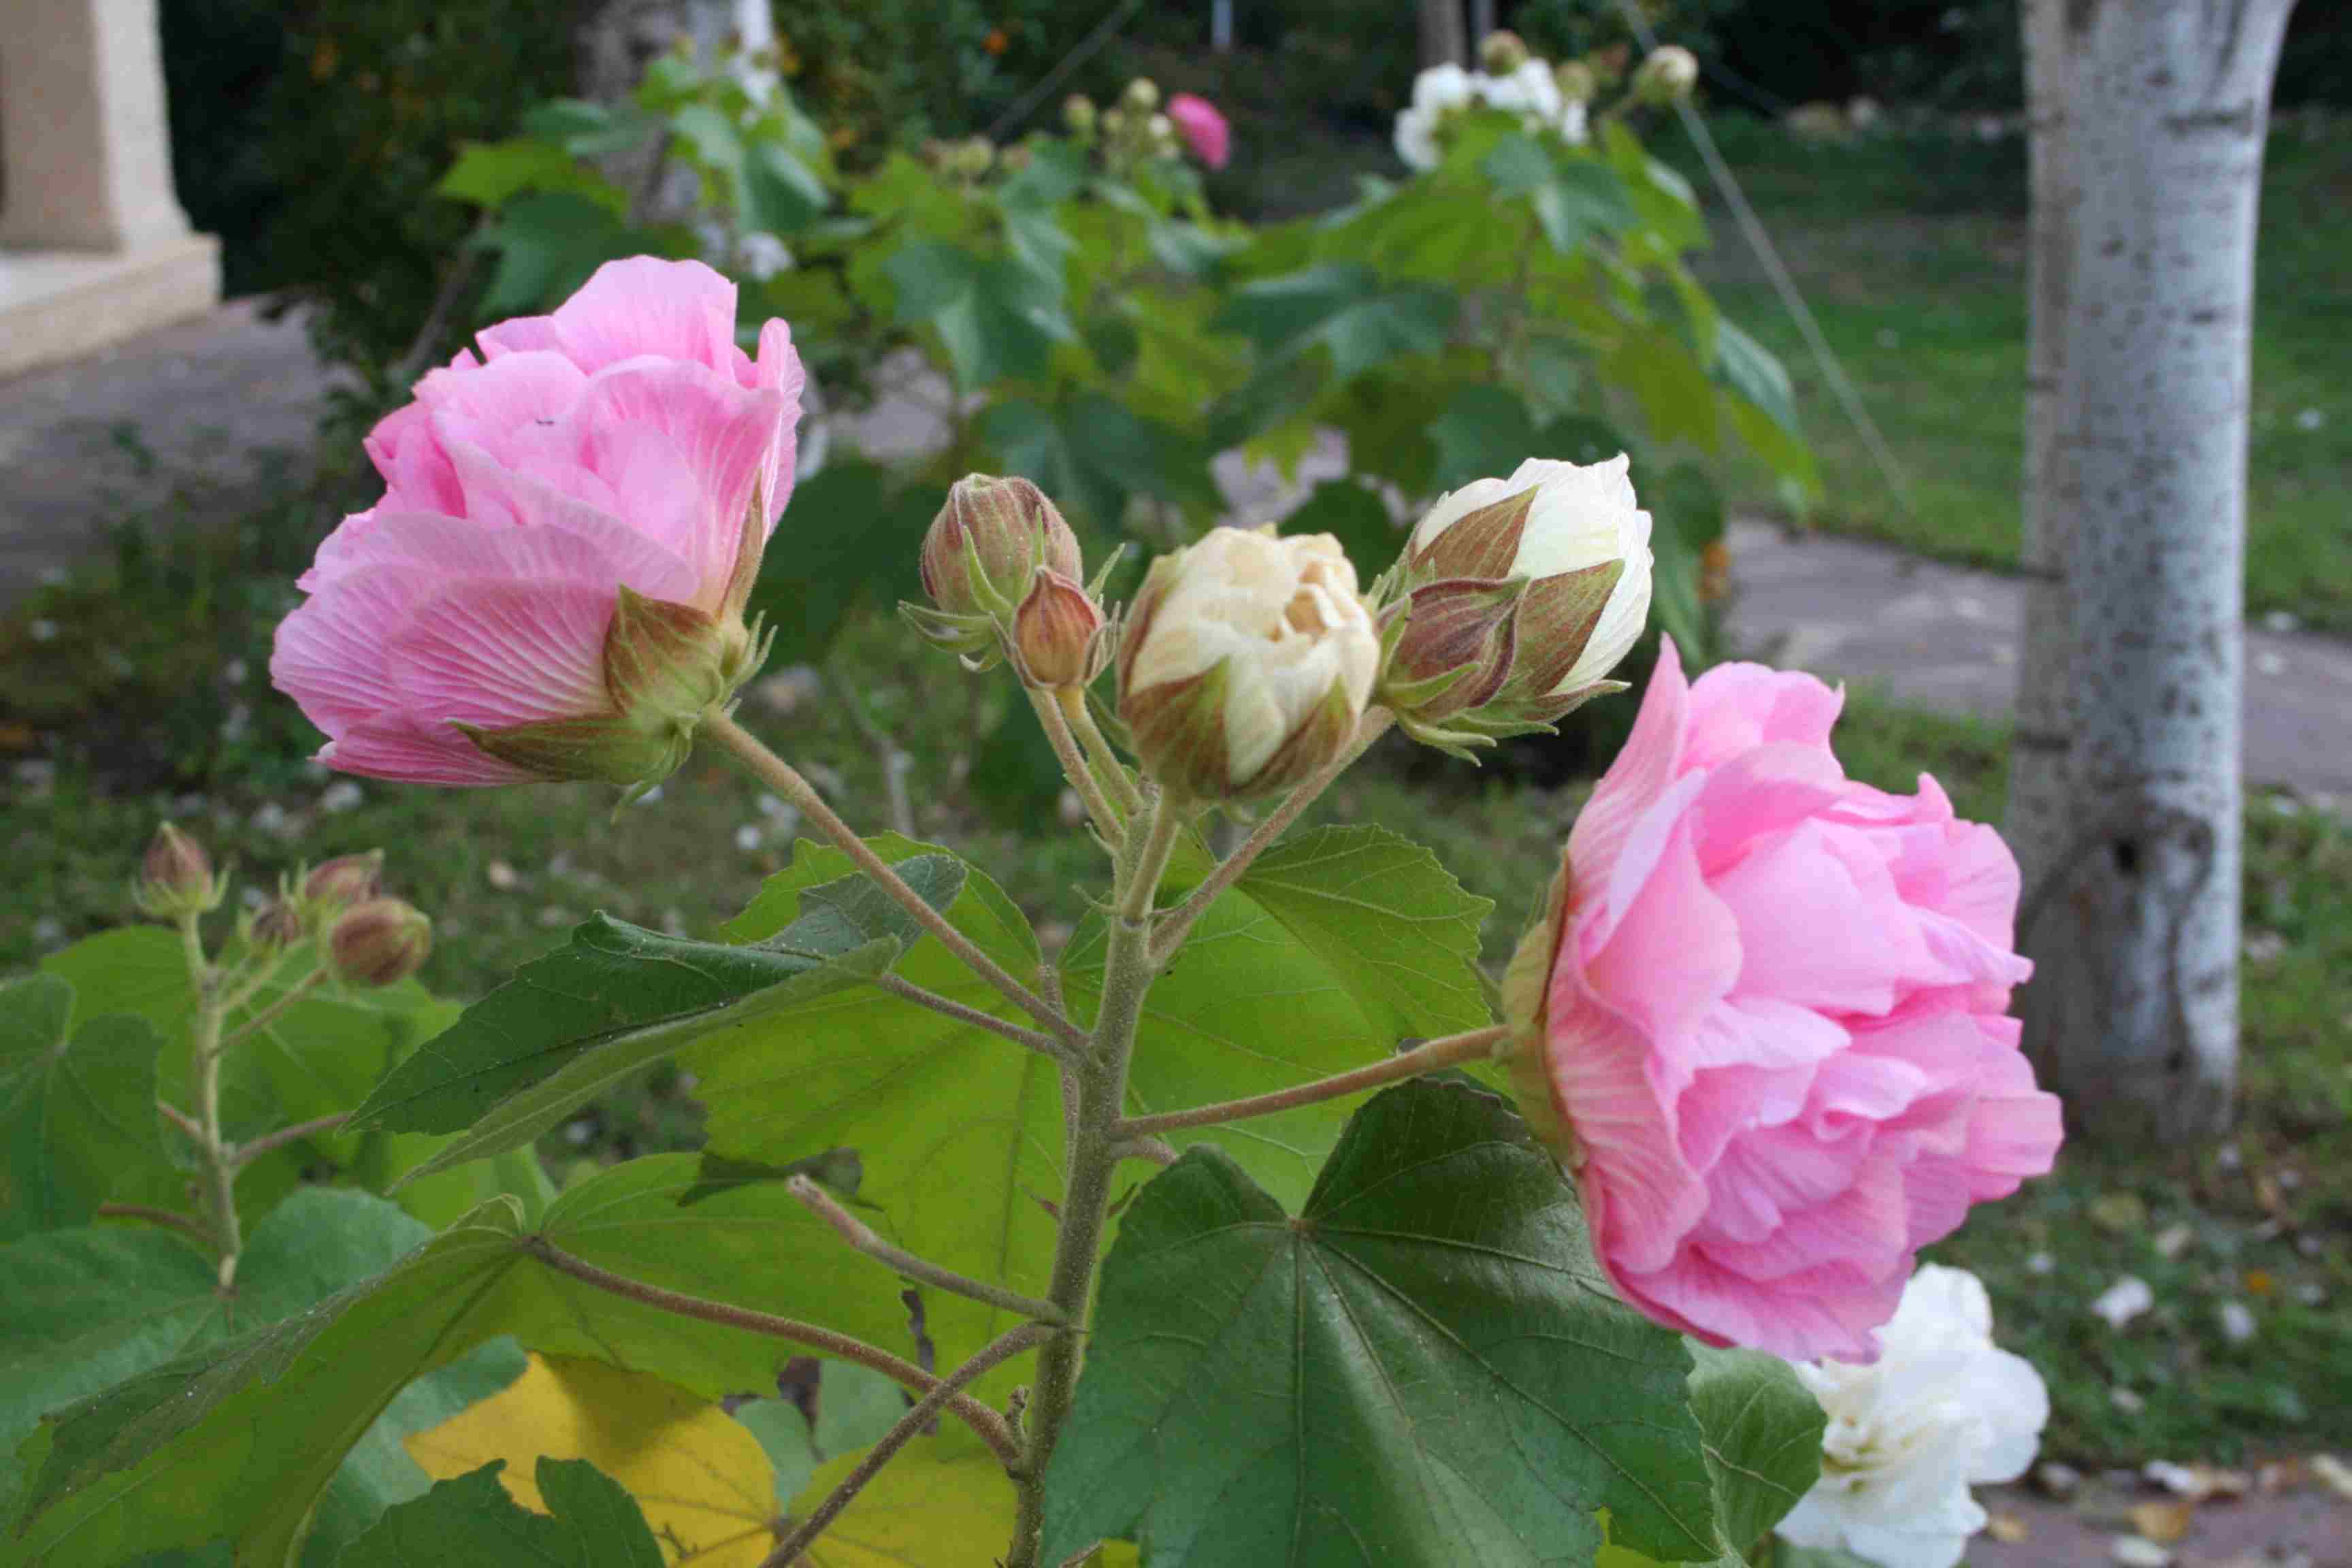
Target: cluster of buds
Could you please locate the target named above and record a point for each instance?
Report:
(1512, 601)
(176, 880)
(967, 158)
(1132, 131)
(1669, 74)
(1003, 574)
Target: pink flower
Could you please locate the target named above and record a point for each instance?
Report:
(617, 444)
(1203, 128)
(1768, 1018)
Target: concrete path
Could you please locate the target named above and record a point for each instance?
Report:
(191, 405)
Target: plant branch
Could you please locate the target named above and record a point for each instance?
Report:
(861, 1237)
(269, 1015)
(987, 1423)
(1179, 924)
(204, 1073)
(786, 779)
(1100, 1083)
(1043, 1044)
(1057, 725)
(1073, 702)
(1450, 1051)
(172, 1218)
(246, 1153)
(926, 1410)
(181, 1120)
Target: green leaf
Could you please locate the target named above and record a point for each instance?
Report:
(470, 1522)
(1426, 1364)
(1357, 517)
(547, 243)
(784, 1434)
(77, 1112)
(959, 1131)
(779, 193)
(854, 536)
(238, 1438)
(997, 318)
(1344, 307)
(492, 173)
(566, 1027)
(585, 129)
(86, 1310)
(1484, 432)
(1332, 950)
(1575, 198)
(1756, 374)
(854, 1408)
(1676, 398)
(1763, 1431)
(1690, 516)
(1092, 452)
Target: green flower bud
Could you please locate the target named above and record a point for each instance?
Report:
(1078, 114)
(277, 926)
(1669, 73)
(1501, 52)
(1576, 81)
(175, 878)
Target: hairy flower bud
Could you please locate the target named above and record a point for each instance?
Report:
(277, 926)
(1669, 73)
(1501, 52)
(1576, 81)
(347, 879)
(979, 558)
(1078, 114)
(379, 942)
(1141, 97)
(175, 878)
(1576, 541)
(1058, 631)
(1247, 663)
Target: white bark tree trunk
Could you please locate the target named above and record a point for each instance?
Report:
(1442, 39)
(2131, 912)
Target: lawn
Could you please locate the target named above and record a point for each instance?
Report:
(1912, 253)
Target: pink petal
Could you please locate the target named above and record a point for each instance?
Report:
(780, 370)
(514, 392)
(1675, 950)
(416, 474)
(329, 654)
(499, 653)
(414, 750)
(1761, 792)
(561, 542)
(1737, 707)
(1792, 1319)
(1819, 924)
(522, 335)
(1639, 1197)
(1641, 773)
(642, 306)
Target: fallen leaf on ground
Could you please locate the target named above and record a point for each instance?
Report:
(2007, 1529)
(2163, 1522)
(2134, 1551)
(2335, 1473)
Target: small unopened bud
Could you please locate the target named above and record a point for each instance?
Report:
(1576, 82)
(1114, 123)
(1056, 632)
(175, 878)
(1078, 114)
(988, 539)
(1501, 52)
(379, 942)
(973, 156)
(1141, 97)
(1456, 649)
(276, 927)
(347, 879)
(1247, 663)
(1669, 73)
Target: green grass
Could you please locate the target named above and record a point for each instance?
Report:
(1912, 253)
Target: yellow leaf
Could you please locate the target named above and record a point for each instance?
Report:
(704, 1482)
(930, 1508)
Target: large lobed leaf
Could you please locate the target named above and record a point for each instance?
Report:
(471, 1522)
(76, 1109)
(1422, 1368)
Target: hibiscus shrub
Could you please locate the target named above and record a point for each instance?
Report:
(1107, 1255)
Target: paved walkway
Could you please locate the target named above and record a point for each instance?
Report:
(193, 405)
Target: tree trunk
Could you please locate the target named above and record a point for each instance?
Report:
(1442, 40)
(2131, 913)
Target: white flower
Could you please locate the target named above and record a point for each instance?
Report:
(1531, 90)
(1572, 123)
(1274, 629)
(1582, 517)
(1942, 1408)
(1435, 92)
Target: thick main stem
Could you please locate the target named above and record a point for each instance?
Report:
(785, 780)
(1101, 1080)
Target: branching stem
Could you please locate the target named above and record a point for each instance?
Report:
(1429, 1056)
(1031, 1039)
(246, 1153)
(269, 1015)
(989, 1425)
(926, 1410)
(785, 780)
(1072, 701)
(174, 1218)
(1055, 721)
(861, 1237)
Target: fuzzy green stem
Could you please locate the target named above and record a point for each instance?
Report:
(786, 780)
(1100, 1078)
(1429, 1056)
(213, 1154)
(246, 1153)
(1055, 721)
(270, 1014)
(1179, 923)
(1073, 700)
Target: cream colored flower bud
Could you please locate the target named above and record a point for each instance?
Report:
(1579, 541)
(1501, 52)
(1247, 663)
(1576, 82)
(1669, 73)
(1078, 114)
(1141, 97)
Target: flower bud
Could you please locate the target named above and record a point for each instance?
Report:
(979, 556)
(379, 942)
(1576, 81)
(1669, 73)
(1162, 131)
(347, 879)
(1078, 114)
(277, 926)
(1501, 52)
(175, 878)
(1058, 631)
(1114, 123)
(1247, 663)
(1579, 546)
(1141, 97)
